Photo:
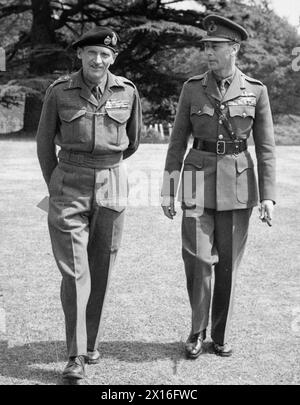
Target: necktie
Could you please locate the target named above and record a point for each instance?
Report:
(97, 93)
(222, 87)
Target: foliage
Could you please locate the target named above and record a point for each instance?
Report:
(286, 129)
(159, 46)
(152, 136)
(12, 93)
(43, 31)
(268, 54)
(9, 95)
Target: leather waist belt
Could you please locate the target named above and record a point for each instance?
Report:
(221, 147)
(90, 160)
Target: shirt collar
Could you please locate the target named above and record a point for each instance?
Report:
(91, 86)
(227, 80)
(78, 81)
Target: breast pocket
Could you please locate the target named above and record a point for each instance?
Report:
(115, 124)
(76, 127)
(202, 111)
(201, 118)
(242, 117)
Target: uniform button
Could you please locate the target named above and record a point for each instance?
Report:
(221, 136)
(244, 115)
(220, 122)
(222, 106)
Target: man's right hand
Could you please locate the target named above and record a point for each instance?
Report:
(168, 206)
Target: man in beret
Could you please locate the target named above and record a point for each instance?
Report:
(94, 117)
(220, 109)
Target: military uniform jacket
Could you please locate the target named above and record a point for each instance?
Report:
(229, 181)
(73, 119)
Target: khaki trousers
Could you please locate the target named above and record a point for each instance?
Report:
(85, 226)
(213, 238)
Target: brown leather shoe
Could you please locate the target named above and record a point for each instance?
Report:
(194, 344)
(75, 369)
(93, 357)
(222, 350)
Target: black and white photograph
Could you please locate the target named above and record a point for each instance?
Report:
(149, 195)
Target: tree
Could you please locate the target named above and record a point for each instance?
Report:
(159, 44)
(268, 54)
(54, 24)
(148, 29)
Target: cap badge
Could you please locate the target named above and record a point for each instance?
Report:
(212, 27)
(114, 40)
(107, 40)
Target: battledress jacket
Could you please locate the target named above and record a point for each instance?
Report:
(73, 120)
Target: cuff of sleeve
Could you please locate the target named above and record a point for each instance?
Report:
(268, 199)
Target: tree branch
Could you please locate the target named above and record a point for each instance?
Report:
(17, 9)
(19, 45)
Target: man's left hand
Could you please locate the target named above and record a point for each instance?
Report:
(266, 211)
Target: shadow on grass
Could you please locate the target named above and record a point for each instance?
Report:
(141, 352)
(144, 351)
(28, 362)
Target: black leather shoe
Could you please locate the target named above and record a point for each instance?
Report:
(75, 369)
(93, 357)
(223, 350)
(194, 344)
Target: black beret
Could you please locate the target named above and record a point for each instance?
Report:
(221, 29)
(101, 36)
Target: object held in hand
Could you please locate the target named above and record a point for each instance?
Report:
(267, 220)
(171, 211)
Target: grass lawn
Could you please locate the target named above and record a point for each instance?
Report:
(147, 315)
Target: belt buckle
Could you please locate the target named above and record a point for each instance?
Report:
(221, 148)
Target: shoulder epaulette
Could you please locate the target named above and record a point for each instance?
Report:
(61, 79)
(198, 77)
(126, 81)
(251, 80)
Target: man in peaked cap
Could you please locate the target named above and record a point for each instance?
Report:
(95, 119)
(220, 109)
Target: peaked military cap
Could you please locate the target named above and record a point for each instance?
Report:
(221, 29)
(101, 36)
